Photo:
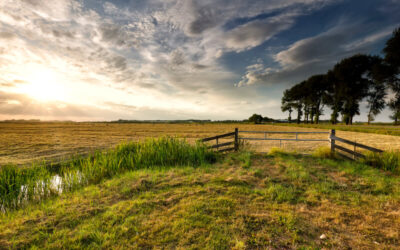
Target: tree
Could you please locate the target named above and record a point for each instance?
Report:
(351, 74)
(256, 118)
(376, 100)
(377, 90)
(334, 96)
(392, 58)
(287, 104)
(297, 94)
(394, 105)
(316, 88)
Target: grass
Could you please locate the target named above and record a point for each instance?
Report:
(389, 161)
(244, 201)
(19, 186)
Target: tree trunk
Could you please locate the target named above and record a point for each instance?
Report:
(369, 116)
(312, 116)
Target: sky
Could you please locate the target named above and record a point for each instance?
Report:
(92, 60)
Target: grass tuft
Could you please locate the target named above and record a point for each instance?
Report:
(323, 152)
(276, 151)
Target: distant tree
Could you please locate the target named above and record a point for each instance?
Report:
(351, 74)
(377, 90)
(267, 119)
(392, 58)
(297, 95)
(256, 119)
(287, 104)
(316, 91)
(334, 97)
(394, 105)
(375, 100)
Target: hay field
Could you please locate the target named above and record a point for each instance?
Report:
(23, 143)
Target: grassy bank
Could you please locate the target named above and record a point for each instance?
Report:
(19, 186)
(244, 201)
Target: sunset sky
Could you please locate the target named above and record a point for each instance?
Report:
(135, 59)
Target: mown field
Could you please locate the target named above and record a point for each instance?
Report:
(244, 201)
(379, 128)
(23, 143)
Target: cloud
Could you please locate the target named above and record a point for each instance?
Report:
(155, 54)
(315, 55)
(255, 33)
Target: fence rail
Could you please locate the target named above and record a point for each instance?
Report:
(333, 138)
(222, 147)
(217, 146)
(282, 139)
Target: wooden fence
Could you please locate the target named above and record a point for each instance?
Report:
(222, 147)
(355, 155)
(296, 133)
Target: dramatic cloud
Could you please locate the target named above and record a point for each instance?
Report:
(177, 59)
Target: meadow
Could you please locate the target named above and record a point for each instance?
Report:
(27, 142)
(243, 201)
(116, 186)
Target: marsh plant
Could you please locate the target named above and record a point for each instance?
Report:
(21, 185)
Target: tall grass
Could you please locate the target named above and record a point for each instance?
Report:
(19, 186)
(388, 160)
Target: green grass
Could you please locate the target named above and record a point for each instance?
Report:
(244, 201)
(374, 129)
(388, 160)
(20, 186)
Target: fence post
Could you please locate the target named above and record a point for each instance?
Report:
(236, 139)
(333, 132)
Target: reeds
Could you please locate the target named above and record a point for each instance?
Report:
(19, 186)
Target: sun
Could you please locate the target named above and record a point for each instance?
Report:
(44, 85)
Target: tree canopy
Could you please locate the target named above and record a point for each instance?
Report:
(350, 82)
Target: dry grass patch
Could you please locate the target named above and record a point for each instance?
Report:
(24, 142)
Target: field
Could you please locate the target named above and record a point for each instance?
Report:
(23, 143)
(378, 128)
(244, 201)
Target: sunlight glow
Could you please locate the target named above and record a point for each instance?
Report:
(44, 85)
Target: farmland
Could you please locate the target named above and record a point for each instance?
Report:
(166, 193)
(23, 143)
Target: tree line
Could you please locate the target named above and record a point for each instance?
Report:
(354, 79)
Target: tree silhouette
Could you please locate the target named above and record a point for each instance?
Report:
(287, 104)
(343, 88)
(392, 58)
